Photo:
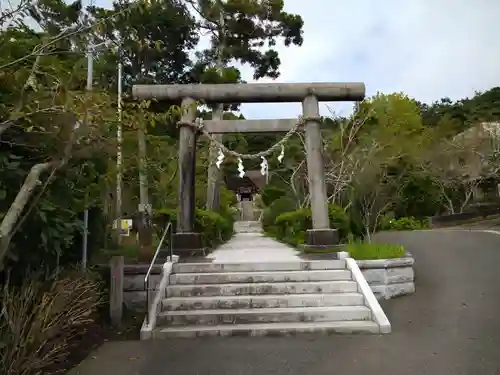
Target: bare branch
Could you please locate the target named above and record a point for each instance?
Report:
(11, 14)
(72, 31)
(292, 180)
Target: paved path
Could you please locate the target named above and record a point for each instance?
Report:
(450, 326)
(253, 247)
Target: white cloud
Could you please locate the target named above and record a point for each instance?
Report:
(427, 48)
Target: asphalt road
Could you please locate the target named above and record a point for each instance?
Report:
(450, 326)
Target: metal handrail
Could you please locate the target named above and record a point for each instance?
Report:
(148, 274)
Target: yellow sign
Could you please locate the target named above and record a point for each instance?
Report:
(125, 227)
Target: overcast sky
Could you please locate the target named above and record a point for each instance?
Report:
(427, 48)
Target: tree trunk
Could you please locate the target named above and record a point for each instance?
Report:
(145, 229)
(17, 207)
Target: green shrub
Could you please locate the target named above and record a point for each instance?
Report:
(270, 194)
(257, 201)
(419, 196)
(164, 215)
(339, 220)
(291, 227)
(278, 207)
(213, 226)
(404, 223)
(368, 251)
(227, 198)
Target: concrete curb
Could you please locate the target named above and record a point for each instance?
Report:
(405, 261)
(370, 300)
(147, 329)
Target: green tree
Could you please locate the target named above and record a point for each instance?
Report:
(367, 155)
(247, 27)
(56, 138)
(239, 30)
(482, 107)
(154, 40)
(47, 124)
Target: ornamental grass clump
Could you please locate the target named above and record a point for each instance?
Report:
(40, 317)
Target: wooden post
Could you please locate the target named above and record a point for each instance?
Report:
(116, 266)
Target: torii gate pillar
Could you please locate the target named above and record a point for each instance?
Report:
(186, 239)
(320, 235)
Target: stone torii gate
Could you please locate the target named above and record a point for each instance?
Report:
(309, 94)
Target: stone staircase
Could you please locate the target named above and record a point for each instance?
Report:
(247, 211)
(217, 299)
(247, 227)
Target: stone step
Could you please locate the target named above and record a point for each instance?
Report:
(247, 223)
(268, 329)
(256, 267)
(259, 277)
(247, 227)
(248, 230)
(264, 315)
(261, 288)
(263, 301)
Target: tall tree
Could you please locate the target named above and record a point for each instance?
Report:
(154, 40)
(367, 154)
(245, 32)
(251, 30)
(47, 124)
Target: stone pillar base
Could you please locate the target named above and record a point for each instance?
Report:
(187, 244)
(319, 240)
(322, 237)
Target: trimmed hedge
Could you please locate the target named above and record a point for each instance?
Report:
(404, 223)
(291, 227)
(213, 227)
(279, 206)
(271, 193)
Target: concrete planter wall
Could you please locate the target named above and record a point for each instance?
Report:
(389, 278)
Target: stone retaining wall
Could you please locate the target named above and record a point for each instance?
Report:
(134, 294)
(389, 278)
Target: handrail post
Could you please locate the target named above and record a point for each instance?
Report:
(146, 289)
(171, 244)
